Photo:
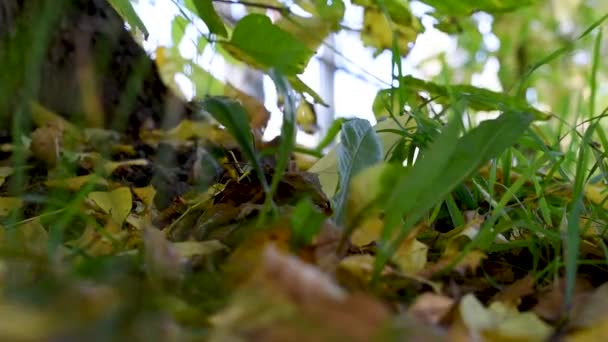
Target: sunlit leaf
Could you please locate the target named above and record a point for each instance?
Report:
(206, 11)
(116, 203)
(256, 40)
(359, 148)
(126, 10)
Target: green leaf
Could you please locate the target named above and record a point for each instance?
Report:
(359, 149)
(234, 117)
(260, 43)
(288, 132)
(302, 88)
(306, 222)
(178, 29)
(468, 7)
(446, 164)
(206, 11)
(126, 10)
(474, 97)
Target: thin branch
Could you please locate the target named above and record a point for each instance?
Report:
(281, 9)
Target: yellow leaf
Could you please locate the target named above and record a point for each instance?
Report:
(378, 31)
(111, 166)
(75, 183)
(188, 129)
(189, 249)
(8, 204)
(116, 203)
(500, 322)
(257, 112)
(146, 195)
(5, 171)
(411, 256)
(306, 117)
(597, 194)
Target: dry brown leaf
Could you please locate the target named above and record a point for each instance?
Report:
(431, 308)
(513, 293)
(550, 301)
(47, 142)
(258, 114)
(287, 299)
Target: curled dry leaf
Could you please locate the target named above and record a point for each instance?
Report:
(47, 142)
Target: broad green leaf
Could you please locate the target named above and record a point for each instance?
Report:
(446, 164)
(206, 11)
(232, 115)
(330, 11)
(306, 221)
(468, 7)
(260, 43)
(205, 84)
(359, 149)
(301, 28)
(327, 167)
(126, 10)
(178, 29)
(474, 97)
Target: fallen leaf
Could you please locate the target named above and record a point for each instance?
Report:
(431, 308)
(512, 294)
(8, 204)
(5, 172)
(500, 322)
(76, 183)
(162, 261)
(116, 203)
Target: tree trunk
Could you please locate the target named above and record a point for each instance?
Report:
(77, 59)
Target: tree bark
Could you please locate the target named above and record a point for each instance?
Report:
(77, 59)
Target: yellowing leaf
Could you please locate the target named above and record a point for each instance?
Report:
(597, 194)
(146, 195)
(117, 203)
(8, 204)
(75, 183)
(5, 171)
(306, 117)
(30, 236)
(188, 129)
(258, 114)
(501, 321)
(189, 249)
(169, 63)
(111, 166)
(411, 256)
(378, 31)
(301, 27)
